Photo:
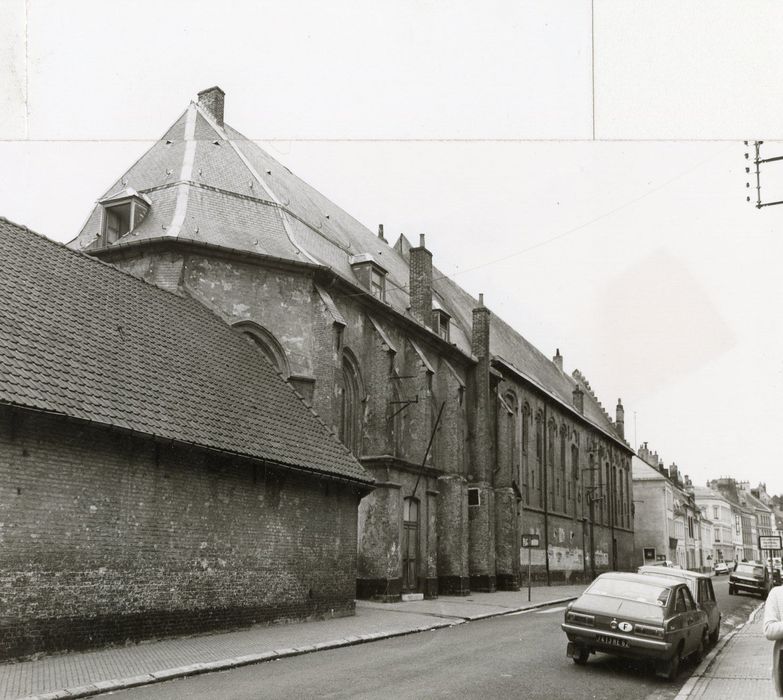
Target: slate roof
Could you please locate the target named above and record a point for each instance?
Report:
(208, 183)
(82, 339)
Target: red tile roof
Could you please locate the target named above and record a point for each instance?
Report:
(82, 339)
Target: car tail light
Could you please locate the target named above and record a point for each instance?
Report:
(581, 618)
(649, 631)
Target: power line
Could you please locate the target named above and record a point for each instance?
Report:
(600, 217)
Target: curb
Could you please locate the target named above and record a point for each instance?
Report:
(99, 687)
(703, 667)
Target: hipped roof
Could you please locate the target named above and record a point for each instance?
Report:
(210, 184)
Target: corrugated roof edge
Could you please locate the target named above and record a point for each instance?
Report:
(186, 299)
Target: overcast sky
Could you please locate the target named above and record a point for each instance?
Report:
(600, 211)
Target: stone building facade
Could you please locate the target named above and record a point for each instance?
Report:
(473, 436)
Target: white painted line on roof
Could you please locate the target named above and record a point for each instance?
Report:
(186, 173)
(550, 610)
(280, 208)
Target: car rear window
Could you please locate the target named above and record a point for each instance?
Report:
(631, 590)
(750, 569)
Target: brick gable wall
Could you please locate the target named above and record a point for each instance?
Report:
(108, 537)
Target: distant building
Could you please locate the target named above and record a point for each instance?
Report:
(715, 507)
(668, 522)
(475, 438)
(743, 513)
(157, 475)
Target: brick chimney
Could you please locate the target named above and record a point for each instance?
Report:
(619, 419)
(421, 283)
(558, 359)
(579, 399)
(213, 100)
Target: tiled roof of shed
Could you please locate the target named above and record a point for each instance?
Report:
(85, 340)
(231, 193)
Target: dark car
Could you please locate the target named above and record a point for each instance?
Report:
(751, 578)
(701, 589)
(637, 616)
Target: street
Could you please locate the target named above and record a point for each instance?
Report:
(513, 655)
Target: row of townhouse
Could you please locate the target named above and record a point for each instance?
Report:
(696, 527)
(744, 516)
(670, 526)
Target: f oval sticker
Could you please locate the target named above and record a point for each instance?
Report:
(625, 626)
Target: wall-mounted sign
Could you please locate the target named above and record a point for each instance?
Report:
(649, 553)
(530, 540)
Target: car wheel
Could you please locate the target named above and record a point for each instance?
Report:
(582, 656)
(698, 655)
(714, 635)
(672, 667)
(731, 589)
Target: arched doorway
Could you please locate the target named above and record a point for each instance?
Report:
(410, 545)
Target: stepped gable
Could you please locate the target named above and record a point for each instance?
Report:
(209, 184)
(82, 339)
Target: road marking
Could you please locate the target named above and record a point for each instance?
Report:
(550, 610)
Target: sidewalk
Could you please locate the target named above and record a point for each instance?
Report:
(90, 673)
(740, 667)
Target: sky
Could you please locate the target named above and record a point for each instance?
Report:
(580, 164)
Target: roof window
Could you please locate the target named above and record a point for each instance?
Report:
(441, 324)
(370, 274)
(122, 212)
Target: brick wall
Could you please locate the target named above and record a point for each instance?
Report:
(108, 538)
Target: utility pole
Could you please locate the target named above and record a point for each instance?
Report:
(757, 162)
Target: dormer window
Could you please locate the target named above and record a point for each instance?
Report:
(370, 274)
(122, 212)
(440, 323)
(378, 284)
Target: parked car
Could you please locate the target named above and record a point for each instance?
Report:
(700, 586)
(638, 616)
(721, 567)
(750, 577)
(666, 563)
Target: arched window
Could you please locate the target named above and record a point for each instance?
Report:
(267, 343)
(394, 418)
(525, 462)
(351, 406)
(512, 437)
(539, 471)
(566, 484)
(575, 476)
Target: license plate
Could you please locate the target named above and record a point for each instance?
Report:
(611, 641)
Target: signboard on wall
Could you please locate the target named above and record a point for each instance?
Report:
(530, 541)
(770, 542)
(649, 553)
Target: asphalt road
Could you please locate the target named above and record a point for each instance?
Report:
(517, 655)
